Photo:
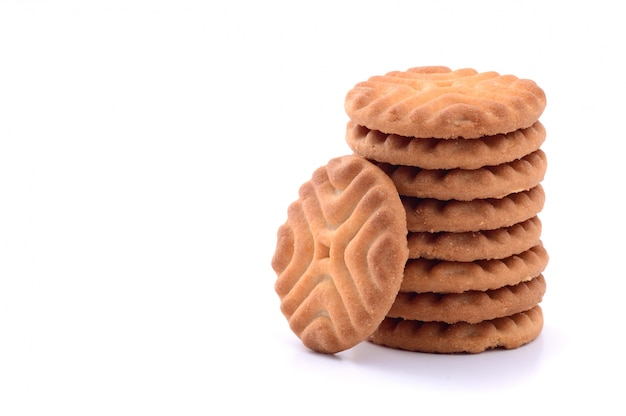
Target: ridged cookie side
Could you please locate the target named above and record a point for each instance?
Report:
(431, 153)
(438, 337)
(433, 215)
(476, 245)
(472, 306)
(468, 184)
(440, 276)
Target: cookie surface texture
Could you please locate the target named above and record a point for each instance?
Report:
(433, 215)
(340, 255)
(437, 337)
(431, 153)
(438, 102)
(472, 306)
(479, 245)
(468, 184)
(439, 276)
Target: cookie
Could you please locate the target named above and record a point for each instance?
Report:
(440, 276)
(476, 245)
(441, 103)
(466, 185)
(340, 255)
(462, 337)
(472, 306)
(433, 215)
(431, 153)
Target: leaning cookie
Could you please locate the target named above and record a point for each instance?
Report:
(432, 153)
(340, 255)
(437, 337)
(441, 103)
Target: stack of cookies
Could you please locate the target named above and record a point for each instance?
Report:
(426, 238)
(463, 149)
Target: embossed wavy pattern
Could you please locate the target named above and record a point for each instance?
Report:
(438, 337)
(430, 153)
(445, 104)
(340, 255)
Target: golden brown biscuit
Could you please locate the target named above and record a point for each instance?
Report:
(430, 153)
(432, 215)
(466, 185)
(340, 255)
(440, 276)
(476, 245)
(441, 103)
(472, 306)
(438, 337)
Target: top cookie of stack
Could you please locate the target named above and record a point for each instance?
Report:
(437, 102)
(463, 150)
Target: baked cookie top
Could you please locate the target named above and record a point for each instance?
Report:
(437, 102)
(340, 255)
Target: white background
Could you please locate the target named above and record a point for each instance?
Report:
(149, 151)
